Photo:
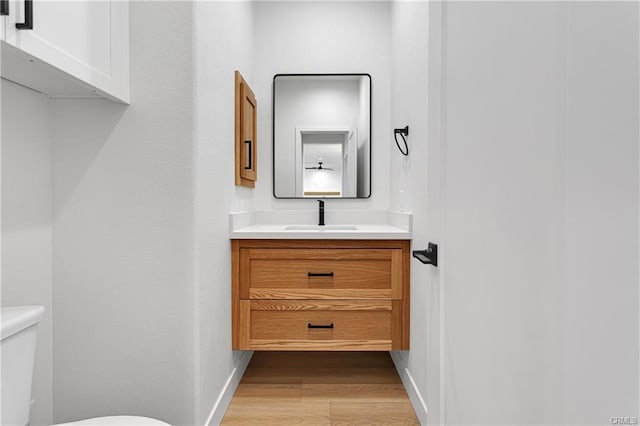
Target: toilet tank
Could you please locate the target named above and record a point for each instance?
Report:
(18, 332)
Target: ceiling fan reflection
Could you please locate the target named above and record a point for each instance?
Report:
(319, 167)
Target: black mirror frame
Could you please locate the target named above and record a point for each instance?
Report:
(273, 135)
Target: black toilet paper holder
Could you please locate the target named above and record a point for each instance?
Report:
(429, 256)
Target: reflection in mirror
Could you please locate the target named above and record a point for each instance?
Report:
(321, 135)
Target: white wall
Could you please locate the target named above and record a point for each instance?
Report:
(222, 37)
(323, 37)
(124, 187)
(409, 101)
(601, 217)
(123, 235)
(143, 315)
(27, 223)
(503, 213)
(540, 159)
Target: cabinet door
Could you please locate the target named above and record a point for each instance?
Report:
(246, 133)
(87, 39)
(249, 134)
(7, 22)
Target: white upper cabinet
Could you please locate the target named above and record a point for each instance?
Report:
(4, 10)
(74, 49)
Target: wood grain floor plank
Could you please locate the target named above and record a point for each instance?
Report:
(263, 392)
(321, 375)
(341, 392)
(353, 376)
(268, 413)
(320, 388)
(273, 375)
(366, 413)
(315, 359)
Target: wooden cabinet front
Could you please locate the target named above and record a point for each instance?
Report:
(320, 295)
(246, 133)
(321, 273)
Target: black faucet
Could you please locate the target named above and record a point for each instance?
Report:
(320, 213)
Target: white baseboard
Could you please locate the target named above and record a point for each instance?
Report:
(419, 406)
(229, 388)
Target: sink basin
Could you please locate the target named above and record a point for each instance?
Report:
(321, 228)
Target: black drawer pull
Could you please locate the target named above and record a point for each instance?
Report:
(319, 325)
(250, 166)
(320, 274)
(4, 7)
(28, 16)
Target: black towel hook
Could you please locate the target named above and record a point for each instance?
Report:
(402, 132)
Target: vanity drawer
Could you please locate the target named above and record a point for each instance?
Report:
(321, 274)
(318, 325)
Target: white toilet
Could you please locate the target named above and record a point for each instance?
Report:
(18, 332)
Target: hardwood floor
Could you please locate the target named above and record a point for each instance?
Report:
(320, 388)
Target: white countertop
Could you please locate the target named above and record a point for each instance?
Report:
(363, 232)
(260, 225)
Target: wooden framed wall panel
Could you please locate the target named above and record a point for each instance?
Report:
(246, 134)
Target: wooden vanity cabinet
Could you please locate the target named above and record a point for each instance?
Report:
(308, 295)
